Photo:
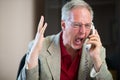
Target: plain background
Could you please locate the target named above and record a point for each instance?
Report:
(16, 30)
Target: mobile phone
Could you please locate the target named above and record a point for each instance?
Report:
(88, 46)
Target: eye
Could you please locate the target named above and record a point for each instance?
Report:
(76, 25)
(88, 26)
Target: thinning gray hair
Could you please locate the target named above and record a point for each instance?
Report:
(73, 4)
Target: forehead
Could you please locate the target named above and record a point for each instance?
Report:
(80, 14)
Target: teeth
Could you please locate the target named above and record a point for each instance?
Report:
(78, 40)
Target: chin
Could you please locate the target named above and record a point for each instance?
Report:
(77, 47)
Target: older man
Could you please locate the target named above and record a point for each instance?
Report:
(64, 56)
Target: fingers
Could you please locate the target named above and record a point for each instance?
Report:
(41, 24)
(95, 35)
(43, 29)
(95, 39)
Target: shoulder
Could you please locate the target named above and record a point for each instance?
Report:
(49, 39)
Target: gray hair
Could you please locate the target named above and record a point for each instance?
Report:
(73, 4)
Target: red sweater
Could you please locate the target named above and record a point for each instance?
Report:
(69, 67)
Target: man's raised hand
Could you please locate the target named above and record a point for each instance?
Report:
(37, 45)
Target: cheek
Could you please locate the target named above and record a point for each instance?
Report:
(70, 34)
(88, 33)
(73, 32)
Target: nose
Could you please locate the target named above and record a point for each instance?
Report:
(82, 29)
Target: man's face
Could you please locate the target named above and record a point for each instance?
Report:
(77, 28)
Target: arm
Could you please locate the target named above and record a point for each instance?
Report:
(103, 73)
(23, 71)
(34, 53)
(30, 70)
(97, 54)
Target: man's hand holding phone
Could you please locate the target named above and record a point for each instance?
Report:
(93, 47)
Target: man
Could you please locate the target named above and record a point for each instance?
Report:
(64, 56)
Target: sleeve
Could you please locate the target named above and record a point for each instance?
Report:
(104, 73)
(24, 73)
(32, 74)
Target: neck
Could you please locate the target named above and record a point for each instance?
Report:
(72, 52)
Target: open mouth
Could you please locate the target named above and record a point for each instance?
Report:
(78, 41)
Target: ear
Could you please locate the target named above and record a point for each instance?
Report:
(63, 25)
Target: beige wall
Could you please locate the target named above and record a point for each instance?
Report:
(16, 30)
